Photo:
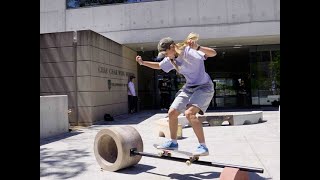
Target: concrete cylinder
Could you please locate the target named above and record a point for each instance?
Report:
(112, 147)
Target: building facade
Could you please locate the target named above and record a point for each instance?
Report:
(245, 33)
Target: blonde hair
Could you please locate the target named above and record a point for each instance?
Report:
(180, 46)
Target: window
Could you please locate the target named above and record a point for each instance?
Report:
(87, 3)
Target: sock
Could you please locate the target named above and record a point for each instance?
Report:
(203, 144)
(174, 140)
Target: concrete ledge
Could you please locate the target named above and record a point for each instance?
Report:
(213, 118)
(230, 118)
(53, 115)
(235, 118)
(162, 128)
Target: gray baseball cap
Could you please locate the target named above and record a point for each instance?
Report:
(163, 45)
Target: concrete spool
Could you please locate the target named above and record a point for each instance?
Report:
(112, 147)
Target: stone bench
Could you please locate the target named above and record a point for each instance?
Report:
(162, 128)
(229, 118)
(212, 118)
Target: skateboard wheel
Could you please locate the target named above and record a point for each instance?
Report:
(160, 153)
(169, 154)
(188, 163)
(196, 158)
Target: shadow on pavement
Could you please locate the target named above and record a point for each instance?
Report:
(127, 119)
(58, 137)
(136, 169)
(204, 175)
(61, 164)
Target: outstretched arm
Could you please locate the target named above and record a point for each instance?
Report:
(153, 65)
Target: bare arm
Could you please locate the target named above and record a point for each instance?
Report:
(153, 65)
(209, 52)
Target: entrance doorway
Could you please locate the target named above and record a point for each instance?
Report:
(230, 72)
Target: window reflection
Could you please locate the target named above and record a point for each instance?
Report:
(86, 3)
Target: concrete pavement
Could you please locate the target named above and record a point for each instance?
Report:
(70, 155)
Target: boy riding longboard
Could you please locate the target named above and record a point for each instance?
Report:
(186, 58)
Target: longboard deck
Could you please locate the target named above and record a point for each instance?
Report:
(186, 153)
(166, 152)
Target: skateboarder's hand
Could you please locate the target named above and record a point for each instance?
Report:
(193, 44)
(139, 60)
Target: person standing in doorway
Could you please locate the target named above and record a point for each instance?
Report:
(132, 97)
(165, 92)
(242, 93)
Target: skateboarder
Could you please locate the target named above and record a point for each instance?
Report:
(187, 58)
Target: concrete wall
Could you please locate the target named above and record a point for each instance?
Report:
(52, 16)
(150, 21)
(102, 70)
(57, 70)
(104, 67)
(53, 115)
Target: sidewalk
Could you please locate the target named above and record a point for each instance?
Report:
(70, 156)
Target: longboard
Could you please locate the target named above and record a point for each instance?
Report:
(166, 152)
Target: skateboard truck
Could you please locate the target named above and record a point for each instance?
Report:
(192, 159)
(164, 153)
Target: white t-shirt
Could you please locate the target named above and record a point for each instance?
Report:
(131, 90)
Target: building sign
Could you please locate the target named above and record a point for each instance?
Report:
(110, 71)
(110, 84)
(105, 70)
(118, 84)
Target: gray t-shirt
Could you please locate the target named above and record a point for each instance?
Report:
(193, 70)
